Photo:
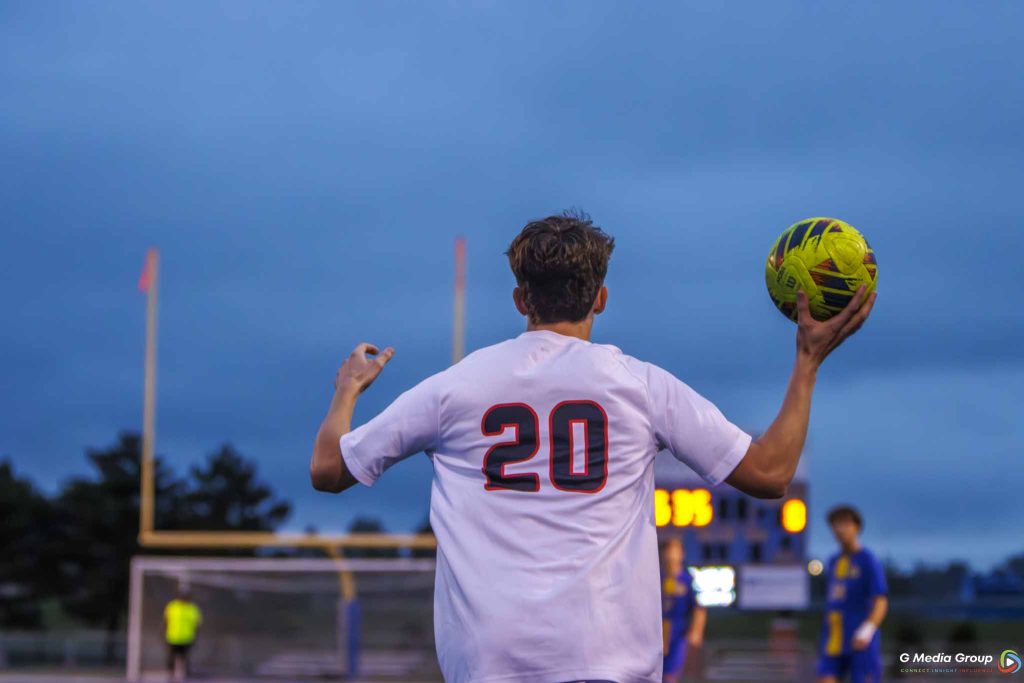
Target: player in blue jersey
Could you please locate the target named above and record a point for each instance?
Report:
(857, 603)
(683, 619)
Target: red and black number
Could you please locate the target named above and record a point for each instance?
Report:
(568, 420)
(594, 422)
(521, 418)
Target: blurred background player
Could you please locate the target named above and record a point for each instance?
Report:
(683, 620)
(181, 621)
(856, 606)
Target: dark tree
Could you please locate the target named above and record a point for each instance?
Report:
(1015, 565)
(226, 495)
(26, 577)
(98, 521)
(97, 532)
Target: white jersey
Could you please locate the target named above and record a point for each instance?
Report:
(542, 503)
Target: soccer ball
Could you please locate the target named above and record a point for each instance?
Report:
(824, 257)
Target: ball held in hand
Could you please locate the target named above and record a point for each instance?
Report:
(826, 258)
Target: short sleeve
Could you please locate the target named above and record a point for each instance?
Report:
(691, 428)
(876, 577)
(406, 427)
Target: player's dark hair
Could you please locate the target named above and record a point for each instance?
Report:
(560, 263)
(845, 512)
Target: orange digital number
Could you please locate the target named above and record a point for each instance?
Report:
(683, 507)
(662, 507)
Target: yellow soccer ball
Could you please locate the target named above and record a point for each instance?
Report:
(824, 257)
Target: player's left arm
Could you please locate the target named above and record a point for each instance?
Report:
(695, 636)
(866, 631)
(770, 463)
(878, 589)
(327, 470)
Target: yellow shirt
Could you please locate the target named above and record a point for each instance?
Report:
(182, 619)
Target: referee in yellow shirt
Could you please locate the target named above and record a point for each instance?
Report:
(181, 621)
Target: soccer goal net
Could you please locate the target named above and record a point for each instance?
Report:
(287, 618)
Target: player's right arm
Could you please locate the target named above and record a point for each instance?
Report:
(343, 456)
(770, 462)
(327, 470)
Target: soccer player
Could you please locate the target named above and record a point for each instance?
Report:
(182, 618)
(543, 454)
(683, 620)
(857, 603)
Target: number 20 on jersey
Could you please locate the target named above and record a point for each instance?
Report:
(577, 445)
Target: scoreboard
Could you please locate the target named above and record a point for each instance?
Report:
(729, 535)
(721, 524)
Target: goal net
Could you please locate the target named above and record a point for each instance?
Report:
(288, 618)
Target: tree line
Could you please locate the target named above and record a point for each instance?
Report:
(71, 551)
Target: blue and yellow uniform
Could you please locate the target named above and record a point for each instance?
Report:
(854, 581)
(677, 604)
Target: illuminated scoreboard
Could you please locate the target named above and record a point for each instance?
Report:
(696, 508)
(728, 534)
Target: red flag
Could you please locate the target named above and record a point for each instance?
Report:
(146, 279)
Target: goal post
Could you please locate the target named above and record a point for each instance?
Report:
(288, 617)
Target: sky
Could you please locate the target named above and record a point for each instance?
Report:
(305, 168)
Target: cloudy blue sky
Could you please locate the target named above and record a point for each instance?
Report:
(305, 167)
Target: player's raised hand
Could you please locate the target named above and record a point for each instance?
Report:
(361, 367)
(816, 339)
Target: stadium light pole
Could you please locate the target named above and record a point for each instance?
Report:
(459, 304)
